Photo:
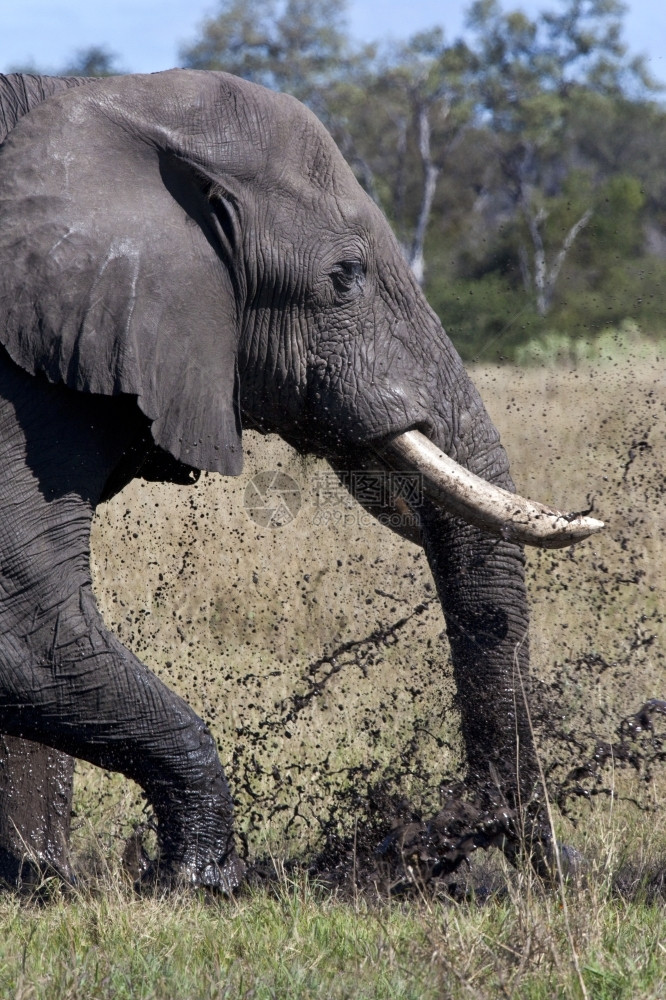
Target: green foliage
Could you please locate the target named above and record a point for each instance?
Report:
(486, 318)
(95, 60)
(616, 228)
(491, 318)
(607, 280)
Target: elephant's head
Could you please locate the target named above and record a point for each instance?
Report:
(199, 243)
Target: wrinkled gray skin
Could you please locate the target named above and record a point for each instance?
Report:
(182, 254)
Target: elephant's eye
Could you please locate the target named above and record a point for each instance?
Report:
(348, 277)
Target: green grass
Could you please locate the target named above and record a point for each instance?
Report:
(291, 945)
(295, 940)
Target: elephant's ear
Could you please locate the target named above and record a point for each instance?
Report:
(117, 271)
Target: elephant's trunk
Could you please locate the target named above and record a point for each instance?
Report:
(478, 502)
(481, 586)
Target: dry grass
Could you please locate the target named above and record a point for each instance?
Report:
(232, 614)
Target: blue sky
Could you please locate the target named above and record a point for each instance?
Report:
(145, 34)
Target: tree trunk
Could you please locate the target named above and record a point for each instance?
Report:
(430, 174)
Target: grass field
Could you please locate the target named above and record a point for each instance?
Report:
(239, 617)
(298, 942)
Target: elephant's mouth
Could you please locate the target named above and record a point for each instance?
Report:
(479, 502)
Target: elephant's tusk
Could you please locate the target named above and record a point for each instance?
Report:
(479, 502)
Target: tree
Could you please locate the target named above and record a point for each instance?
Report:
(96, 60)
(297, 47)
(416, 95)
(529, 77)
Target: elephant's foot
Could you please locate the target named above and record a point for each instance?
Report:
(195, 840)
(438, 846)
(33, 876)
(224, 876)
(550, 861)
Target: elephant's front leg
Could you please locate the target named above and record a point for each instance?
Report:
(480, 581)
(92, 698)
(35, 811)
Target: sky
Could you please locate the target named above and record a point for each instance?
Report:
(145, 34)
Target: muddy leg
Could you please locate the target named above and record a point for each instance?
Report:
(35, 799)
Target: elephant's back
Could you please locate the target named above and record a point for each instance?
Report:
(21, 92)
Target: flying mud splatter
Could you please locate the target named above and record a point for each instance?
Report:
(375, 836)
(316, 654)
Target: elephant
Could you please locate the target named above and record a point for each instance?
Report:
(186, 254)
